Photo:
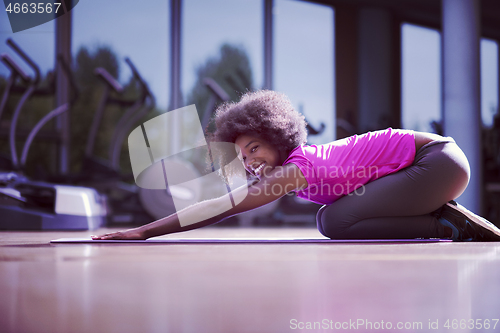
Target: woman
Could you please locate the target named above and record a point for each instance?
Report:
(388, 184)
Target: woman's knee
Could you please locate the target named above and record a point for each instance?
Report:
(328, 224)
(319, 224)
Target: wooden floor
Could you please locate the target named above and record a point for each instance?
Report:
(245, 287)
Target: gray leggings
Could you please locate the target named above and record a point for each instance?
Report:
(399, 206)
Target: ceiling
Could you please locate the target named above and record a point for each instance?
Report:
(427, 12)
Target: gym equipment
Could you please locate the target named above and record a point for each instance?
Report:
(33, 205)
(15, 72)
(129, 204)
(218, 95)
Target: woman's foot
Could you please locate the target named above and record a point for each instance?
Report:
(466, 225)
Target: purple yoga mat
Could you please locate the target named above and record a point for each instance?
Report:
(241, 241)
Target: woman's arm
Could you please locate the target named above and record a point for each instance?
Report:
(279, 182)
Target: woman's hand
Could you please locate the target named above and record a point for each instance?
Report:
(130, 234)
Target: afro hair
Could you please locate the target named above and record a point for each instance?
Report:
(267, 114)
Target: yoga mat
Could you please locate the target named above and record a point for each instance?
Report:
(241, 241)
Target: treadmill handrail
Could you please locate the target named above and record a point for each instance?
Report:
(125, 129)
(108, 79)
(13, 124)
(130, 117)
(134, 70)
(15, 72)
(26, 58)
(145, 92)
(14, 67)
(31, 88)
(49, 116)
(216, 89)
(67, 70)
(217, 93)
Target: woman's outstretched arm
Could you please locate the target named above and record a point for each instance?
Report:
(279, 182)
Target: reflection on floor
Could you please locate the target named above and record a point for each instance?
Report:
(245, 287)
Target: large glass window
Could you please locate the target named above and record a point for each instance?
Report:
(138, 31)
(37, 42)
(304, 61)
(489, 81)
(103, 34)
(421, 77)
(104, 38)
(222, 40)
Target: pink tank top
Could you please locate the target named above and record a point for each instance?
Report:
(338, 168)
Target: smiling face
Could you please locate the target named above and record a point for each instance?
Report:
(258, 156)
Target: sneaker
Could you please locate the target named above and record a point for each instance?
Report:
(467, 226)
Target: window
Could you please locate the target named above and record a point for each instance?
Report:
(421, 77)
(304, 63)
(489, 81)
(38, 43)
(208, 26)
(140, 33)
(221, 40)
